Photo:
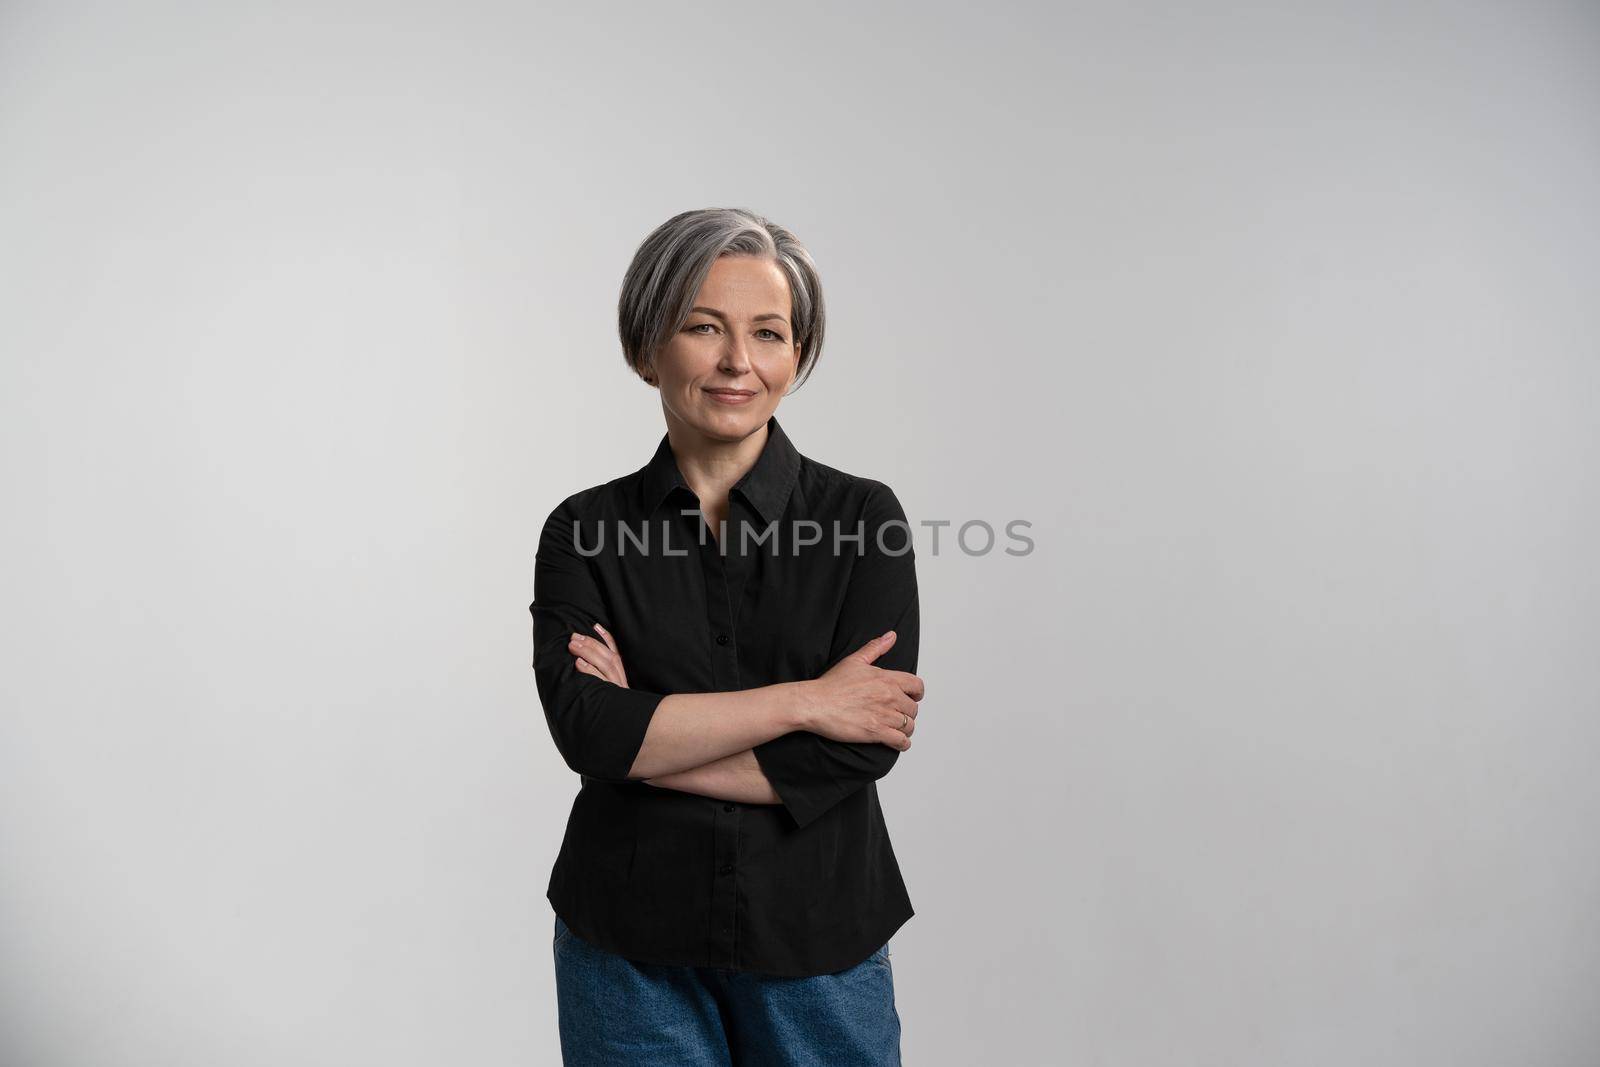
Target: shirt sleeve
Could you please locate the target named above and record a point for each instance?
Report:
(598, 726)
(809, 772)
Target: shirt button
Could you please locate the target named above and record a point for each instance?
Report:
(727, 807)
(722, 639)
(726, 868)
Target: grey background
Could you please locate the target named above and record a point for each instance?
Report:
(1277, 321)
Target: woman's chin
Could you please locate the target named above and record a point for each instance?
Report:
(721, 420)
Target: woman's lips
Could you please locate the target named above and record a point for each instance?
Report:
(733, 396)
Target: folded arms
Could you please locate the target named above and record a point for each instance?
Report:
(755, 745)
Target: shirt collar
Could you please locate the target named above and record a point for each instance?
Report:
(766, 486)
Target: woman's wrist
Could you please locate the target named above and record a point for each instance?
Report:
(799, 704)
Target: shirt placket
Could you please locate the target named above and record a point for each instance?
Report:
(722, 576)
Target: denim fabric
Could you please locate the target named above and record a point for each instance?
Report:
(615, 1012)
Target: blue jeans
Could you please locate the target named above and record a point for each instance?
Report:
(617, 1012)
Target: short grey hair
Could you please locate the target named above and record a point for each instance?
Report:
(672, 263)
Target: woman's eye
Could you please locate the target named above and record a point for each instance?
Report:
(704, 328)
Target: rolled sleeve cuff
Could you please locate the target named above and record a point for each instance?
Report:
(610, 723)
(806, 788)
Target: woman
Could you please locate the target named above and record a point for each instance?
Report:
(725, 643)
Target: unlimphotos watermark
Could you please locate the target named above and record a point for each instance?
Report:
(974, 537)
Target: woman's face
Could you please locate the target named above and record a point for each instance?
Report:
(728, 366)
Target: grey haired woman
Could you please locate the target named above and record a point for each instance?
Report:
(725, 646)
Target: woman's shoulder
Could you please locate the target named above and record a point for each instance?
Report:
(831, 486)
(603, 500)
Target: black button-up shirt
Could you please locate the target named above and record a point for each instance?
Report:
(805, 887)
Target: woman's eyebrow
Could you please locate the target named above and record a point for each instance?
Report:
(758, 318)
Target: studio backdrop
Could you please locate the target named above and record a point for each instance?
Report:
(1234, 363)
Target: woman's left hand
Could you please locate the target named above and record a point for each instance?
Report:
(599, 659)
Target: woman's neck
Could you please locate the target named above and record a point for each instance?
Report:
(711, 467)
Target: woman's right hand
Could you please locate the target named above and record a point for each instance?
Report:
(856, 701)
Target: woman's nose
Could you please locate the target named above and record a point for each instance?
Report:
(734, 356)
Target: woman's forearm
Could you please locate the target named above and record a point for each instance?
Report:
(691, 729)
(737, 777)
